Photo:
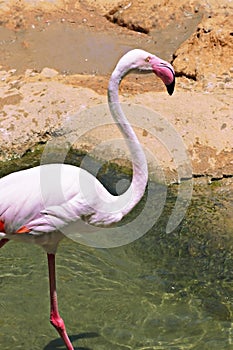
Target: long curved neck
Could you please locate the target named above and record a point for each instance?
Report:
(140, 172)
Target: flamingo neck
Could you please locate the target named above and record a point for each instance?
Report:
(140, 171)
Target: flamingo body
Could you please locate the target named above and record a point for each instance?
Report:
(31, 214)
(38, 203)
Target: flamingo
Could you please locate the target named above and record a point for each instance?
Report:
(29, 214)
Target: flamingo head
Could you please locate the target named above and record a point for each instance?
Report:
(145, 62)
(164, 71)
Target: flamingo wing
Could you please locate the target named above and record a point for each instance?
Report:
(43, 199)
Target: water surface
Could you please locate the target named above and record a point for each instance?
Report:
(164, 291)
(71, 49)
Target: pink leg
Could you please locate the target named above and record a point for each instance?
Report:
(55, 318)
(3, 242)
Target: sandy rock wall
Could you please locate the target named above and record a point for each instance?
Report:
(208, 52)
(35, 104)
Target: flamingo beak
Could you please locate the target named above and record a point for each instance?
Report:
(164, 71)
(170, 87)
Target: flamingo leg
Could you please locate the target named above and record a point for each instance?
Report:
(55, 318)
(3, 242)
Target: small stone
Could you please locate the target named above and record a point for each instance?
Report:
(49, 72)
(3, 75)
(14, 82)
(229, 85)
(221, 85)
(210, 86)
(29, 73)
(12, 71)
(227, 79)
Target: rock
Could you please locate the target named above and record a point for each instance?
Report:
(152, 13)
(208, 50)
(32, 110)
(49, 72)
(30, 73)
(3, 75)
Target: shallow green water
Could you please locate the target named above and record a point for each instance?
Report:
(163, 291)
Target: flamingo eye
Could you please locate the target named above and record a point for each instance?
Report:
(148, 59)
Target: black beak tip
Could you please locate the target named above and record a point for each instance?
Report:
(170, 87)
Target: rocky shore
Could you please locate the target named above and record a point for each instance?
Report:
(38, 95)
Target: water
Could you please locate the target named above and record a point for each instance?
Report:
(82, 50)
(164, 291)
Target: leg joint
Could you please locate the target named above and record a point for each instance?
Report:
(57, 322)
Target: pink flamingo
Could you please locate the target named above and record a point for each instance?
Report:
(27, 215)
